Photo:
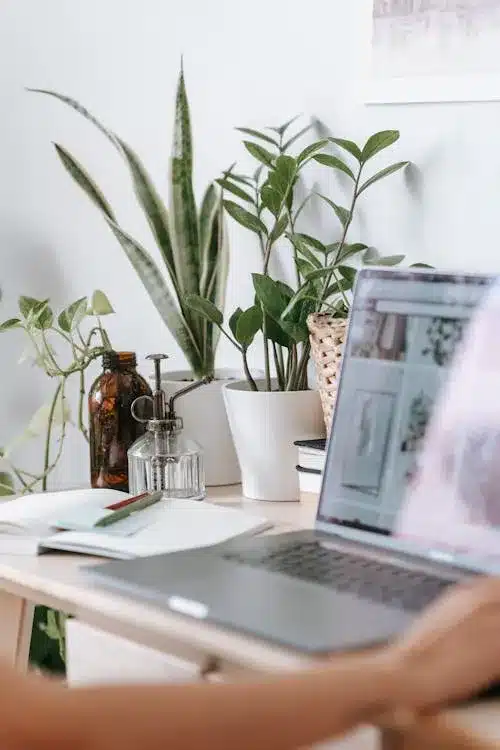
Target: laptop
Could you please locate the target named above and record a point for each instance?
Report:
(350, 582)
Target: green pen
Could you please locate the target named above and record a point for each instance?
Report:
(142, 502)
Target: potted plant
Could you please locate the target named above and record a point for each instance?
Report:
(63, 346)
(267, 416)
(193, 247)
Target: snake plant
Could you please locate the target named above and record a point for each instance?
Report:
(192, 243)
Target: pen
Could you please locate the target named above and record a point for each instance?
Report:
(128, 507)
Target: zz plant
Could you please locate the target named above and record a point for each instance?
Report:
(267, 205)
(192, 243)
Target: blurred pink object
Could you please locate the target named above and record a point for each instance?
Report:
(454, 497)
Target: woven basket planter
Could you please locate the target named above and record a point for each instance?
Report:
(327, 336)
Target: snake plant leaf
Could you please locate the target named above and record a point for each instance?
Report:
(83, 179)
(153, 207)
(221, 270)
(160, 295)
(183, 216)
(146, 193)
(210, 208)
(82, 111)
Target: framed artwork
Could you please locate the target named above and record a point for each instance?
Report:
(434, 51)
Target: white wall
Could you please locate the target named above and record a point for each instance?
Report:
(246, 63)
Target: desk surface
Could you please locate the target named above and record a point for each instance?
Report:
(60, 581)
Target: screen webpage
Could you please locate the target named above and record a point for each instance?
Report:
(405, 330)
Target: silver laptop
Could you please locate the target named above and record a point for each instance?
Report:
(349, 582)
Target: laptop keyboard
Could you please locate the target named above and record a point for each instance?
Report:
(380, 582)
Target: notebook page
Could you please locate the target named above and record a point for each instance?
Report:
(173, 525)
(41, 510)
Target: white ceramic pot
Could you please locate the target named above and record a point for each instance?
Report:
(205, 421)
(264, 427)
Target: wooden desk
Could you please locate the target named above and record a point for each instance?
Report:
(60, 581)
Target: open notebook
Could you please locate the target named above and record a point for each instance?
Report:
(28, 525)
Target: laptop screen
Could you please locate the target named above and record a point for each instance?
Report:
(405, 328)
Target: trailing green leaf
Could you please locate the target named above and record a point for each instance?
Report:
(72, 316)
(100, 304)
(7, 325)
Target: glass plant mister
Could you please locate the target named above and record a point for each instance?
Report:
(112, 428)
(164, 458)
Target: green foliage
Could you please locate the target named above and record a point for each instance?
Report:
(267, 207)
(192, 244)
(77, 331)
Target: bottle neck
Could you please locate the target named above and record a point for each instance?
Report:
(119, 361)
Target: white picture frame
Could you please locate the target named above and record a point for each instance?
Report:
(437, 50)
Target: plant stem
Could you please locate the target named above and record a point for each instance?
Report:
(81, 399)
(267, 368)
(302, 367)
(293, 369)
(104, 336)
(281, 361)
(248, 374)
(342, 243)
(279, 372)
(48, 437)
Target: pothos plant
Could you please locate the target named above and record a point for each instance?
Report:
(64, 347)
(267, 205)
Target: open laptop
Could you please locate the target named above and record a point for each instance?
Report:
(349, 582)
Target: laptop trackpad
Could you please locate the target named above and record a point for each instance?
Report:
(301, 615)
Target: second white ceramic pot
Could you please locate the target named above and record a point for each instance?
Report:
(264, 427)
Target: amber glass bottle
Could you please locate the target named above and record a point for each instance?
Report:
(112, 428)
